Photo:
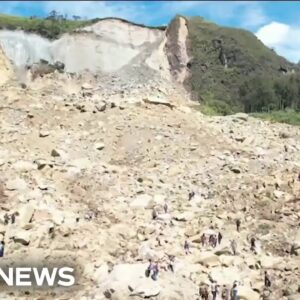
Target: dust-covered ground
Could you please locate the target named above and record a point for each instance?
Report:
(86, 162)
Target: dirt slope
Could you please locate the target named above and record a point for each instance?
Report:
(6, 71)
(85, 175)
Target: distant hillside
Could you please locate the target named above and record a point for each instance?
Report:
(228, 65)
(53, 26)
(226, 69)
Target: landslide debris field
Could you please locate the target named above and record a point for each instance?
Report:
(87, 160)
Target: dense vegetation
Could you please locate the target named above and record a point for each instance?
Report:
(265, 94)
(51, 27)
(232, 71)
(289, 116)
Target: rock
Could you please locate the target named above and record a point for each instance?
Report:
(241, 116)
(99, 146)
(146, 253)
(185, 216)
(101, 273)
(294, 297)
(246, 293)
(124, 276)
(18, 184)
(86, 86)
(297, 240)
(208, 259)
(101, 106)
(158, 101)
(23, 165)
(55, 153)
(221, 250)
(225, 275)
(278, 194)
(81, 163)
(240, 139)
(271, 262)
(25, 215)
(164, 217)
(44, 133)
(235, 169)
(159, 199)
(141, 201)
(22, 237)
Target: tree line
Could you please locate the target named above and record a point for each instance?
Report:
(266, 94)
(56, 16)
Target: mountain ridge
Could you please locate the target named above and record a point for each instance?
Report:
(220, 66)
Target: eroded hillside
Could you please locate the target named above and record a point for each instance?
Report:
(106, 172)
(85, 164)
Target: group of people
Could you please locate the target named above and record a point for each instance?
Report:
(215, 289)
(7, 219)
(211, 239)
(10, 218)
(225, 292)
(152, 270)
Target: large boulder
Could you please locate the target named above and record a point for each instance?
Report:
(129, 280)
(22, 237)
(246, 293)
(25, 215)
(208, 259)
(141, 201)
(17, 184)
(6, 70)
(297, 240)
(271, 262)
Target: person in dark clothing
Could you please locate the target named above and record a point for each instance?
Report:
(191, 195)
(203, 292)
(166, 208)
(238, 225)
(149, 268)
(155, 272)
(154, 214)
(233, 246)
(225, 293)
(293, 250)
(171, 263)
(234, 291)
(203, 240)
(187, 247)
(252, 244)
(267, 280)
(13, 217)
(1, 249)
(6, 219)
(214, 290)
(220, 238)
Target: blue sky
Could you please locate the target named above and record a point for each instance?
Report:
(277, 24)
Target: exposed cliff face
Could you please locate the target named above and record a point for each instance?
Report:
(24, 48)
(177, 48)
(5, 68)
(104, 47)
(212, 62)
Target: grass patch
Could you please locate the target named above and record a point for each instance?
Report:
(288, 117)
(224, 59)
(50, 29)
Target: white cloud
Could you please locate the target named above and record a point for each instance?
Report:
(253, 16)
(246, 14)
(92, 9)
(285, 39)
